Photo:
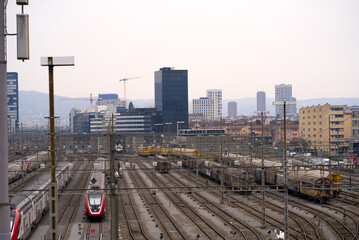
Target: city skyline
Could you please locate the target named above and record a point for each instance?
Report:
(258, 43)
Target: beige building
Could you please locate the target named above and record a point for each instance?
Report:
(327, 125)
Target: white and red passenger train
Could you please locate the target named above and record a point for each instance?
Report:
(95, 195)
(28, 208)
(19, 168)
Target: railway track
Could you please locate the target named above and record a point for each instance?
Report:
(70, 208)
(170, 227)
(339, 226)
(93, 231)
(244, 230)
(256, 213)
(207, 228)
(135, 228)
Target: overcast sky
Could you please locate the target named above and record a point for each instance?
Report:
(238, 46)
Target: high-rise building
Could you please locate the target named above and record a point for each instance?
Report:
(216, 94)
(171, 97)
(283, 92)
(261, 101)
(112, 101)
(205, 107)
(232, 109)
(12, 101)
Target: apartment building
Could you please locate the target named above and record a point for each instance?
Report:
(326, 127)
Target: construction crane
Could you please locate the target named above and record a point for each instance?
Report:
(124, 80)
(80, 99)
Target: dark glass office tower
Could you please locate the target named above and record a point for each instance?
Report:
(171, 97)
(13, 102)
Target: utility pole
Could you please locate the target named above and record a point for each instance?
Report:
(37, 147)
(263, 175)
(329, 148)
(251, 144)
(22, 157)
(222, 169)
(4, 187)
(196, 152)
(286, 223)
(114, 215)
(51, 62)
(285, 167)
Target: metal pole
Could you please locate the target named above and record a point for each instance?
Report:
(330, 163)
(251, 146)
(114, 215)
(229, 132)
(53, 184)
(196, 152)
(37, 147)
(286, 223)
(4, 187)
(22, 157)
(222, 170)
(263, 182)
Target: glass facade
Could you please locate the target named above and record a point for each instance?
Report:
(171, 96)
(12, 101)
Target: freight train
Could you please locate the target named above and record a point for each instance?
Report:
(311, 184)
(19, 168)
(162, 164)
(28, 208)
(95, 195)
(241, 179)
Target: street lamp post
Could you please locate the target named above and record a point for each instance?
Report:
(51, 62)
(179, 122)
(157, 124)
(168, 137)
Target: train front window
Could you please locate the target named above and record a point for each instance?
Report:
(95, 199)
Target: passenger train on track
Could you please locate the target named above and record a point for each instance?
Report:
(28, 208)
(95, 195)
(19, 168)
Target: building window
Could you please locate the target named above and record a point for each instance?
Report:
(320, 136)
(314, 110)
(355, 123)
(308, 135)
(308, 111)
(320, 123)
(308, 123)
(303, 117)
(313, 116)
(314, 129)
(314, 123)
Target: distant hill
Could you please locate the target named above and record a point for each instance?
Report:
(34, 106)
